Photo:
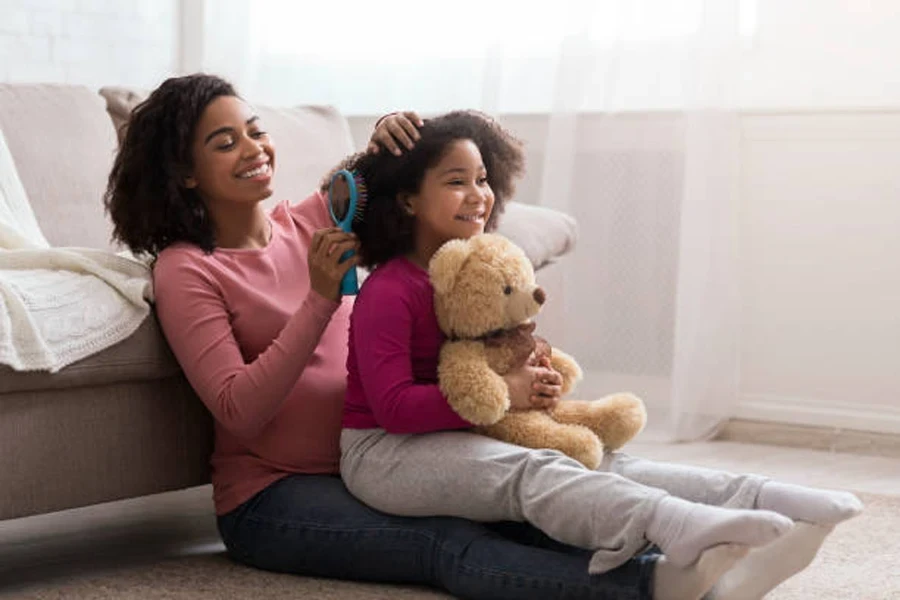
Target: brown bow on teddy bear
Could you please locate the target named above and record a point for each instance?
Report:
(485, 297)
(521, 342)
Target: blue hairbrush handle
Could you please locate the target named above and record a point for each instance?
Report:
(349, 283)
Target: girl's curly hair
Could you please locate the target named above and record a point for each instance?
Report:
(386, 229)
(146, 198)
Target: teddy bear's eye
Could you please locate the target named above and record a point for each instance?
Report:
(507, 290)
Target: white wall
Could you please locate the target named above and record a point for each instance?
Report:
(823, 53)
(820, 268)
(89, 42)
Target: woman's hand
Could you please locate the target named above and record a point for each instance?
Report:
(533, 387)
(325, 266)
(394, 129)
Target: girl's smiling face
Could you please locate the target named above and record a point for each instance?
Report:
(454, 200)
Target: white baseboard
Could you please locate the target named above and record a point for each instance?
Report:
(754, 407)
(819, 413)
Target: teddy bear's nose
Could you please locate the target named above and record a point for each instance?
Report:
(539, 295)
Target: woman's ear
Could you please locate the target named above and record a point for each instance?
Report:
(189, 182)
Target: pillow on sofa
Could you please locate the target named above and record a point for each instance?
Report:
(120, 101)
(543, 233)
(18, 225)
(60, 138)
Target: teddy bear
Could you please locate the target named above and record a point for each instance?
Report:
(485, 297)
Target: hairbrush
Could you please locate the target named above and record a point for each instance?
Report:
(346, 202)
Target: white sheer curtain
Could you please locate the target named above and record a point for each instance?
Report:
(629, 111)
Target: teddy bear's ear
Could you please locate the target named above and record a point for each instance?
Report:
(446, 264)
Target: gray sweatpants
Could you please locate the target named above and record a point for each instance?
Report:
(462, 474)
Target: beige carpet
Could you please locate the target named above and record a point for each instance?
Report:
(860, 561)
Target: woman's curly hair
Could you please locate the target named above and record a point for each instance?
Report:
(386, 229)
(146, 198)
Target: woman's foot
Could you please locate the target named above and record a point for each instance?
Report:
(692, 582)
(765, 568)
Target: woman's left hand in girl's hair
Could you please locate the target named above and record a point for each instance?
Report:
(395, 129)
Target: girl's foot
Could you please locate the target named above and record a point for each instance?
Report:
(823, 507)
(682, 530)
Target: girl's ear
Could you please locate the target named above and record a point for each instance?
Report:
(189, 182)
(405, 200)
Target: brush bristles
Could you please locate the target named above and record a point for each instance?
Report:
(361, 197)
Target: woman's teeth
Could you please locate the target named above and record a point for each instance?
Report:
(254, 172)
(470, 217)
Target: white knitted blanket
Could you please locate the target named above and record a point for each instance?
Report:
(59, 305)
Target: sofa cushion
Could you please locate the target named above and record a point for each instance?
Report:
(142, 356)
(62, 143)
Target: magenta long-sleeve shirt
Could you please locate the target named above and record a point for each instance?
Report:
(265, 353)
(392, 362)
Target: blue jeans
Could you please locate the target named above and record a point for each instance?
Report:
(311, 525)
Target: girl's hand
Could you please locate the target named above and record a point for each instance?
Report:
(533, 387)
(325, 266)
(396, 127)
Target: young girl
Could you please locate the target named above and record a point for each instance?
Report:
(249, 302)
(453, 184)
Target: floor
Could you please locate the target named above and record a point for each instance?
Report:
(51, 547)
(855, 472)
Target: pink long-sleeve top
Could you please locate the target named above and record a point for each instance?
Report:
(395, 343)
(265, 353)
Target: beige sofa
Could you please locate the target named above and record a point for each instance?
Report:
(124, 422)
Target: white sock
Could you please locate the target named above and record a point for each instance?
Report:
(823, 507)
(683, 529)
(692, 582)
(765, 568)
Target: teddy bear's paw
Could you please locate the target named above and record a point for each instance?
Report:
(630, 417)
(536, 429)
(479, 403)
(583, 445)
(566, 366)
(479, 407)
(471, 387)
(615, 419)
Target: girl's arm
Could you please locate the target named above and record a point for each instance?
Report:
(382, 333)
(243, 397)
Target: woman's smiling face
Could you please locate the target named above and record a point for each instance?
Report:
(233, 157)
